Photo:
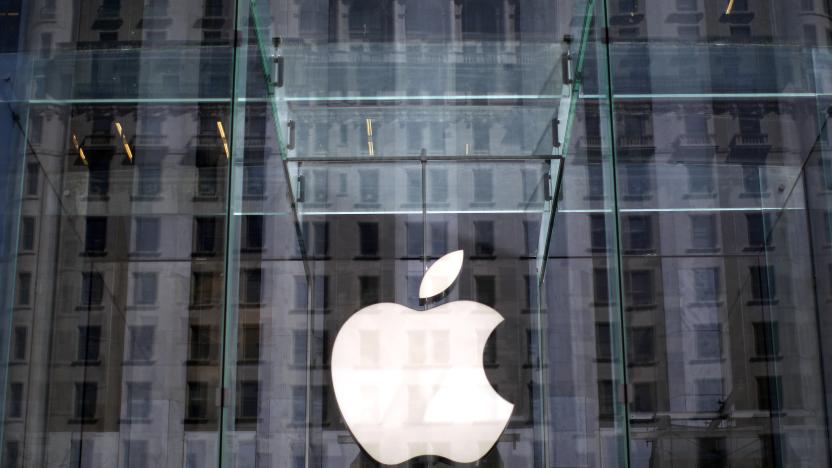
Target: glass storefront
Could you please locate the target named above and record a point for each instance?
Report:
(197, 195)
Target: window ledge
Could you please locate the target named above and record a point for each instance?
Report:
(200, 362)
(707, 360)
(145, 198)
(87, 253)
(82, 420)
(775, 358)
(706, 304)
(137, 420)
(367, 257)
(86, 307)
(203, 254)
(754, 195)
(139, 362)
(86, 363)
(699, 196)
(762, 302)
(152, 254)
(705, 250)
(206, 198)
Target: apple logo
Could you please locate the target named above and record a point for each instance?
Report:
(412, 383)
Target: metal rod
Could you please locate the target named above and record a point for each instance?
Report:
(417, 159)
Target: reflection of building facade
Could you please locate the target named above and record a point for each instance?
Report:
(132, 230)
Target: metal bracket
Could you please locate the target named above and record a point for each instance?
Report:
(290, 144)
(556, 133)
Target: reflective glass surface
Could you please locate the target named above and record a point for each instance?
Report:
(197, 196)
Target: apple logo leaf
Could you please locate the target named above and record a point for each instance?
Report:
(441, 275)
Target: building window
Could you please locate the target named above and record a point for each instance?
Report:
(763, 285)
(202, 288)
(207, 181)
(711, 453)
(251, 292)
(149, 179)
(595, 176)
(414, 186)
(138, 400)
(640, 233)
(254, 180)
(627, 6)
(299, 348)
(86, 399)
(301, 293)
(205, 237)
(89, 343)
(700, 179)
(135, 453)
(686, 5)
(606, 400)
(368, 239)
(252, 230)
(27, 234)
(600, 283)
(706, 284)
(12, 457)
(368, 183)
(644, 397)
(145, 288)
(642, 345)
(603, 342)
(438, 187)
(438, 238)
(368, 290)
(708, 341)
(316, 235)
(249, 343)
(486, 289)
(414, 234)
(249, 398)
(703, 232)
(708, 395)
(92, 289)
(99, 177)
(15, 400)
(531, 229)
(320, 186)
(298, 404)
(754, 181)
(200, 347)
(769, 393)
(197, 408)
(638, 180)
(21, 335)
(32, 185)
(320, 292)
(95, 236)
(24, 289)
(759, 235)
(766, 339)
(640, 288)
(140, 344)
(483, 238)
(148, 234)
(483, 186)
(598, 232)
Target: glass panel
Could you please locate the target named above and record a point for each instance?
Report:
(110, 125)
(720, 136)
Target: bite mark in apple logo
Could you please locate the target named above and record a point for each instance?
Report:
(412, 383)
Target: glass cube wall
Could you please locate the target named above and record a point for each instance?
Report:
(196, 195)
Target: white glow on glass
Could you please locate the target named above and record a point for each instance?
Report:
(412, 383)
(418, 387)
(441, 275)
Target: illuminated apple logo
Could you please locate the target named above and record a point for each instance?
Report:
(412, 383)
